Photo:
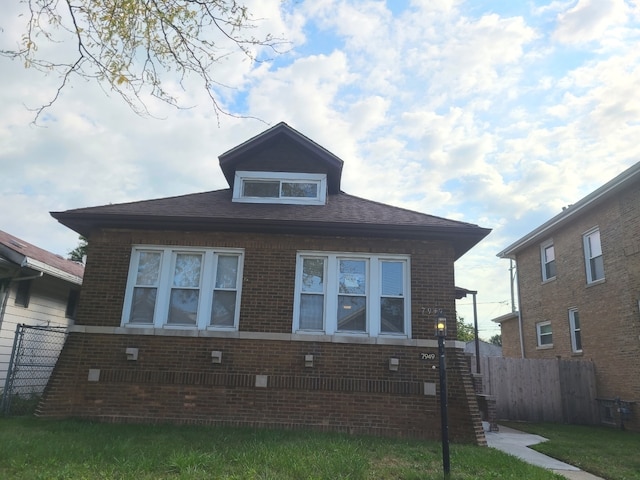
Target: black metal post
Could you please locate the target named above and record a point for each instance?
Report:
(475, 331)
(444, 419)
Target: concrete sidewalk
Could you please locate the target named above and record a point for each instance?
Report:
(516, 443)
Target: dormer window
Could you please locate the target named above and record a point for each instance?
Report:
(280, 187)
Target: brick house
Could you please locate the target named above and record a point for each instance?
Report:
(278, 302)
(579, 291)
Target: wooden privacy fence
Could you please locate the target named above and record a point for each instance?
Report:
(541, 390)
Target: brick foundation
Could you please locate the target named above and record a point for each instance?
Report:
(349, 389)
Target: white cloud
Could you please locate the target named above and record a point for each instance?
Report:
(589, 20)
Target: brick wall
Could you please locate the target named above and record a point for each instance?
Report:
(609, 317)
(510, 333)
(269, 274)
(350, 387)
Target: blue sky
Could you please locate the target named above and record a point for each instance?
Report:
(493, 113)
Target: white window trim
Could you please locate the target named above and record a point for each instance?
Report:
(207, 286)
(573, 330)
(374, 293)
(539, 326)
(588, 257)
(543, 258)
(319, 179)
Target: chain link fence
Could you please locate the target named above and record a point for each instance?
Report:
(34, 354)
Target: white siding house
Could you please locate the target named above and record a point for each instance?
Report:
(37, 288)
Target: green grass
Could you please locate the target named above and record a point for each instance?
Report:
(32, 448)
(606, 452)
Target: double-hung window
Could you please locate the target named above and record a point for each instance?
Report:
(574, 328)
(352, 294)
(183, 287)
(594, 261)
(544, 334)
(548, 260)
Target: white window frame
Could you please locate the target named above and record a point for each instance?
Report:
(575, 330)
(544, 261)
(589, 256)
(540, 335)
(319, 179)
(373, 293)
(164, 285)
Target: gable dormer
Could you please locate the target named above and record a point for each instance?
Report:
(281, 166)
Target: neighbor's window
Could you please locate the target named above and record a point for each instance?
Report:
(23, 293)
(548, 260)
(544, 333)
(594, 261)
(280, 187)
(72, 304)
(574, 328)
(352, 294)
(183, 287)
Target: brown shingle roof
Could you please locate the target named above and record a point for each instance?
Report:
(343, 214)
(17, 250)
(281, 148)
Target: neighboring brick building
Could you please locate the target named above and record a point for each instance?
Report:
(279, 302)
(509, 329)
(579, 290)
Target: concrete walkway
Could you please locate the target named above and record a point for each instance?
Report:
(516, 443)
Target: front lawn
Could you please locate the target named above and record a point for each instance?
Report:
(606, 452)
(32, 448)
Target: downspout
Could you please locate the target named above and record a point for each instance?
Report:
(511, 270)
(521, 339)
(513, 308)
(32, 277)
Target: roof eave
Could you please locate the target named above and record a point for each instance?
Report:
(28, 264)
(609, 189)
(11, 255)
(506, 317)
(51, 271)
(463, 238)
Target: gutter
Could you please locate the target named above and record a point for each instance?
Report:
(31, 277)
(463, 237)
(44, 268)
